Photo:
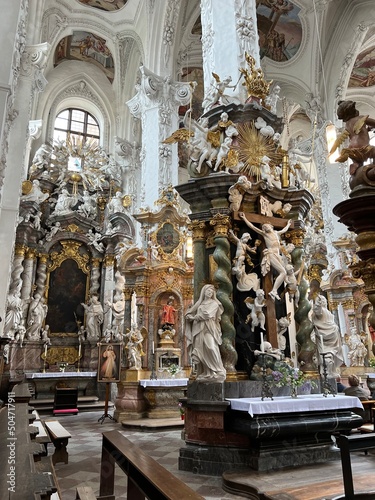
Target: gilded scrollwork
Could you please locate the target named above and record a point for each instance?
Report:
(55, 355)
(70, 250)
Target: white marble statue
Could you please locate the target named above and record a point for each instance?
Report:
(88, 207)
(291, 283)
(273, 98)
(118, 311)
(13, 316)
(6, 353)
(20, 335)
(37, 313)
(35, 194)
(327, 336)
(115, 204)
(65, 203)
(203, 335)
(227, 125)
(357, 349)
(265, 171)
(256, 305)
(113, 171)
(237, 191)
(53, 230)
(271, 351)
(95, 240)
(154, 250)
(282, 326)
(199, 147)
(223, 153)
(271, 254)
(37, 221)
(216, 93)
(94, 318)
(242, 247)
(134, 348)
(45, 338)
(42, 157)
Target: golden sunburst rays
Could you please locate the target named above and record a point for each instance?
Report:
(251, 146)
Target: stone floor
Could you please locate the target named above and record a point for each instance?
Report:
(320, 482)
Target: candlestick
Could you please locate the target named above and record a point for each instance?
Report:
(261, 342)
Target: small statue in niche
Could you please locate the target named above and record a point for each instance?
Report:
(168, 315)
(256, 306)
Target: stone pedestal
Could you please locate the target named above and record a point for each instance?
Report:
(130, 403)
(163, 401)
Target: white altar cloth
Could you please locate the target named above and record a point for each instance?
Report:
(59, 374)
(164, 382)
(286, 404)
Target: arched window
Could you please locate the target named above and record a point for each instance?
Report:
(77, 123)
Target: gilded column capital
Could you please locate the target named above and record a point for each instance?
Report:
(20, 250)
(109, 261)
(142, 291)
(314, 273)
(221, 224)
(30, 253)
(198, 228)
(295, 236)
(128, 293)
(43, 258)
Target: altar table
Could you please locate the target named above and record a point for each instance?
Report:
(286, 404)
(46, 382)
(164, 382)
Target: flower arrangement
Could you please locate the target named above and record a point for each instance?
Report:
(371, 362)
(288, 376)
(173, 369)
(182, 409)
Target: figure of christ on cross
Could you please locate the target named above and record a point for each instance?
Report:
(272, 253)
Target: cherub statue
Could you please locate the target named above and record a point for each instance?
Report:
(272, 99)
(35, 194)
(291, 283)
(357, 130)
(256, 305)
(95, 241)
(45, 338)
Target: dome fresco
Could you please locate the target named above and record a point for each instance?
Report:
(107, 5)
(363, 73)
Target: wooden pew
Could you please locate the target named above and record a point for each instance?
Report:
(355, 442)
(24, 471)
(146, 477)
(42, 436)
(59, 437)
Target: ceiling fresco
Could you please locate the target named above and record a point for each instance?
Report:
(107, 5)
(363, 73)
(85, 46)
(279, 29)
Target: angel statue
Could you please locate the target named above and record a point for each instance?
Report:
(357, 130)
(216, 92)
(256, 305)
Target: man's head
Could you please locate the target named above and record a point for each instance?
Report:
(353, 381)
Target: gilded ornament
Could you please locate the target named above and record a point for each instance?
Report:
(255, 83)
(70, 250)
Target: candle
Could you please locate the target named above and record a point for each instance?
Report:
(45, 350)
(153, 347)
(261, 342)
(79, 351)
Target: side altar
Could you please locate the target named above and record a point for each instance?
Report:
(45, 382)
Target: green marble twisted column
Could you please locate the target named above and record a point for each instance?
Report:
(307, 348)
(222, 277)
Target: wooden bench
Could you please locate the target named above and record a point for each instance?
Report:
(59, 437)
(146, 477)
(355, 442)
